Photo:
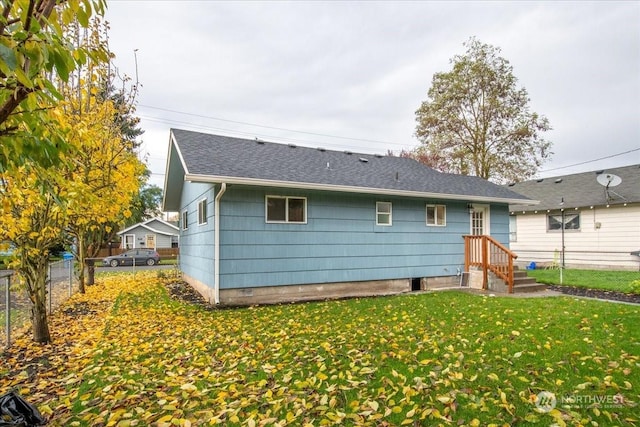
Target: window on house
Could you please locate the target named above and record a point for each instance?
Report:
(437, 215)
(383, 213)
(513, 228)
(202, 211)
(286, 209)
(185, 220)
(571, 222)
(129, 241)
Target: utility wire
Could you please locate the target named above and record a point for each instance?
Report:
(265, 126)
(282, 139)
(289, 139)
(591, 161)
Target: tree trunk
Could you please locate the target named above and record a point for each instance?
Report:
(40, 324)
(36, 282)
(91, 267)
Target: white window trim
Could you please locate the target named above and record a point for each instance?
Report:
(184, 218)
(390, 213)
(133, 240)
(286, 209)
(202, 202)
(566, 230)
(435, 215)
(513, 228)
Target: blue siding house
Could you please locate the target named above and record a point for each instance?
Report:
(263, 222)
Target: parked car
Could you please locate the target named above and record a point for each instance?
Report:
(141, 257)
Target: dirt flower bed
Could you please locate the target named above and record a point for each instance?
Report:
(596, 293)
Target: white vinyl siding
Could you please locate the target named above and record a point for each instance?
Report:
(606, 238)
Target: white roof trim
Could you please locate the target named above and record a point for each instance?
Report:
(144, 225)
(172, 143)
(162, 221)
(349, 189)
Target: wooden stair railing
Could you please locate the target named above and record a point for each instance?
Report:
(489, 255)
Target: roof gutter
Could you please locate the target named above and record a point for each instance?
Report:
(351, 189)
(216, 243)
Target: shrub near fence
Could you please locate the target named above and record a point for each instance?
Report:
(15, 307)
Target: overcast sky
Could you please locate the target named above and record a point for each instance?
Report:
(350, 75)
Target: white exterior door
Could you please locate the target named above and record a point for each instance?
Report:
(480, 220)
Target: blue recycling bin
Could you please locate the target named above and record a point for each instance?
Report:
(67, 257)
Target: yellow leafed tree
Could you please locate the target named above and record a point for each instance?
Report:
(32, 218)
(105, 174)
(35, 49)
(93, 187)
(102, 135)
(86, 195)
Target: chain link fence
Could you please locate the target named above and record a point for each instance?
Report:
(611, 271)
(15, 306)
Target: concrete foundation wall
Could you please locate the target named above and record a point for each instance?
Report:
(439, 282)
(204, 290)
(296, 293)
(311, 292)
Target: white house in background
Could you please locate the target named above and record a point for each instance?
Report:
(151, 234)
(596, 213)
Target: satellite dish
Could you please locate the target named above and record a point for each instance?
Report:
(608, 180)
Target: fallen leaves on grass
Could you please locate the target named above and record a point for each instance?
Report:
(130, 355)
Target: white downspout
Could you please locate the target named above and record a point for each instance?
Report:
(216, 244)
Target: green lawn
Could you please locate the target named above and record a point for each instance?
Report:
(446, 358)
(621, 281)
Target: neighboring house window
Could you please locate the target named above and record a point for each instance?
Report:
(437, 215)
(383, 213)
(129, 241)
(571, 222)
(286, 209)
(202, 212)
(185, 220)
(513, 228)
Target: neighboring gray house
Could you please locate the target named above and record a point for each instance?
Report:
(151, 234)
(597, 214)
(265, 222)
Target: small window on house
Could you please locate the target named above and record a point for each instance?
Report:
(202, 212)
(383, 213)
(185, 220)
(286, 209)
(437, 215)
(513, 228)
(571, 222)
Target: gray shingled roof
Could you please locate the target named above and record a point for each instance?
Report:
(580, 190)
(207, 156)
